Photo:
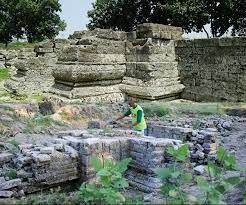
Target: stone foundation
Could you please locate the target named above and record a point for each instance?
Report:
(67, 158)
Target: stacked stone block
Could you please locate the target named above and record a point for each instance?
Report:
(147, 154)
(116, 148)
(204, 146)
(91, 67)
(8, 187)
(34, 68)
(203, 143)
(170, 132)
(43, 167)
(152, 71)
(213, 69)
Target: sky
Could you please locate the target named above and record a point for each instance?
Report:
(74, 12)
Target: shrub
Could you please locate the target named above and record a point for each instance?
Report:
(4, 74)
(11, 173)
(218, 183)
(155, 109)
(111, 181)
(175, 176)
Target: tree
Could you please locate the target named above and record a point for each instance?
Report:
(191, 15)
(126, 14)
(239, 19)
(37, 19)
(8, 25)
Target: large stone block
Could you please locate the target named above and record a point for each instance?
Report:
(100, 33)
(88, 73)
(101, 46)
(159, 31)
(150, 71)
(152, 93)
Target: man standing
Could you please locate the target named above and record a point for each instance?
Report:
(137, 114)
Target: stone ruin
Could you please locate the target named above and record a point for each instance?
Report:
(102, 65)
(65, 159)
(34, 68)
(151, 63)
(93, 68)
(151, 66)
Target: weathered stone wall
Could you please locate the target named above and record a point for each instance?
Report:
(213, 69)
(202, 143)
(151, 68)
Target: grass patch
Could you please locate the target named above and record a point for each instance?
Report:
(17, 45)
(4, 74)
(37, 98)
(11, 173)
(53, 197)
(4, 93)
(155, 109)
(44, 121)
(14, 142)
(39, 123)
(76, 117)
(198, 108)
(22, 98)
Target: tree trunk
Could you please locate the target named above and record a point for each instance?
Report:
(205, 32)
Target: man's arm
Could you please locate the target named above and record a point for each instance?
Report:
(139, 117)
(125, 114)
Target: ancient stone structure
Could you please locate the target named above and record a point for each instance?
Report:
(213, 69)
(67, 159)
(151, 66)
(203, 143)
(34, 68)
(93, 68)
(105, 65)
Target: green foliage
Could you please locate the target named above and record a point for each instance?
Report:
(4, 74)
(155, 109)
(36, 19)
(11, 173)
(199, 108)
(111, 181)
(137, 200)
(218, 183)
(191, 15)
(17, 45)
(40, 121)
(14, 142)
(175, 176)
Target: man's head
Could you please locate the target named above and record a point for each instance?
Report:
(132, 102)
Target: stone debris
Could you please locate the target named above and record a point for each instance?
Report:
(94, 125)
(5, 157)
(9, 188)
(205, 146)
(10, 184)
(199, 169)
